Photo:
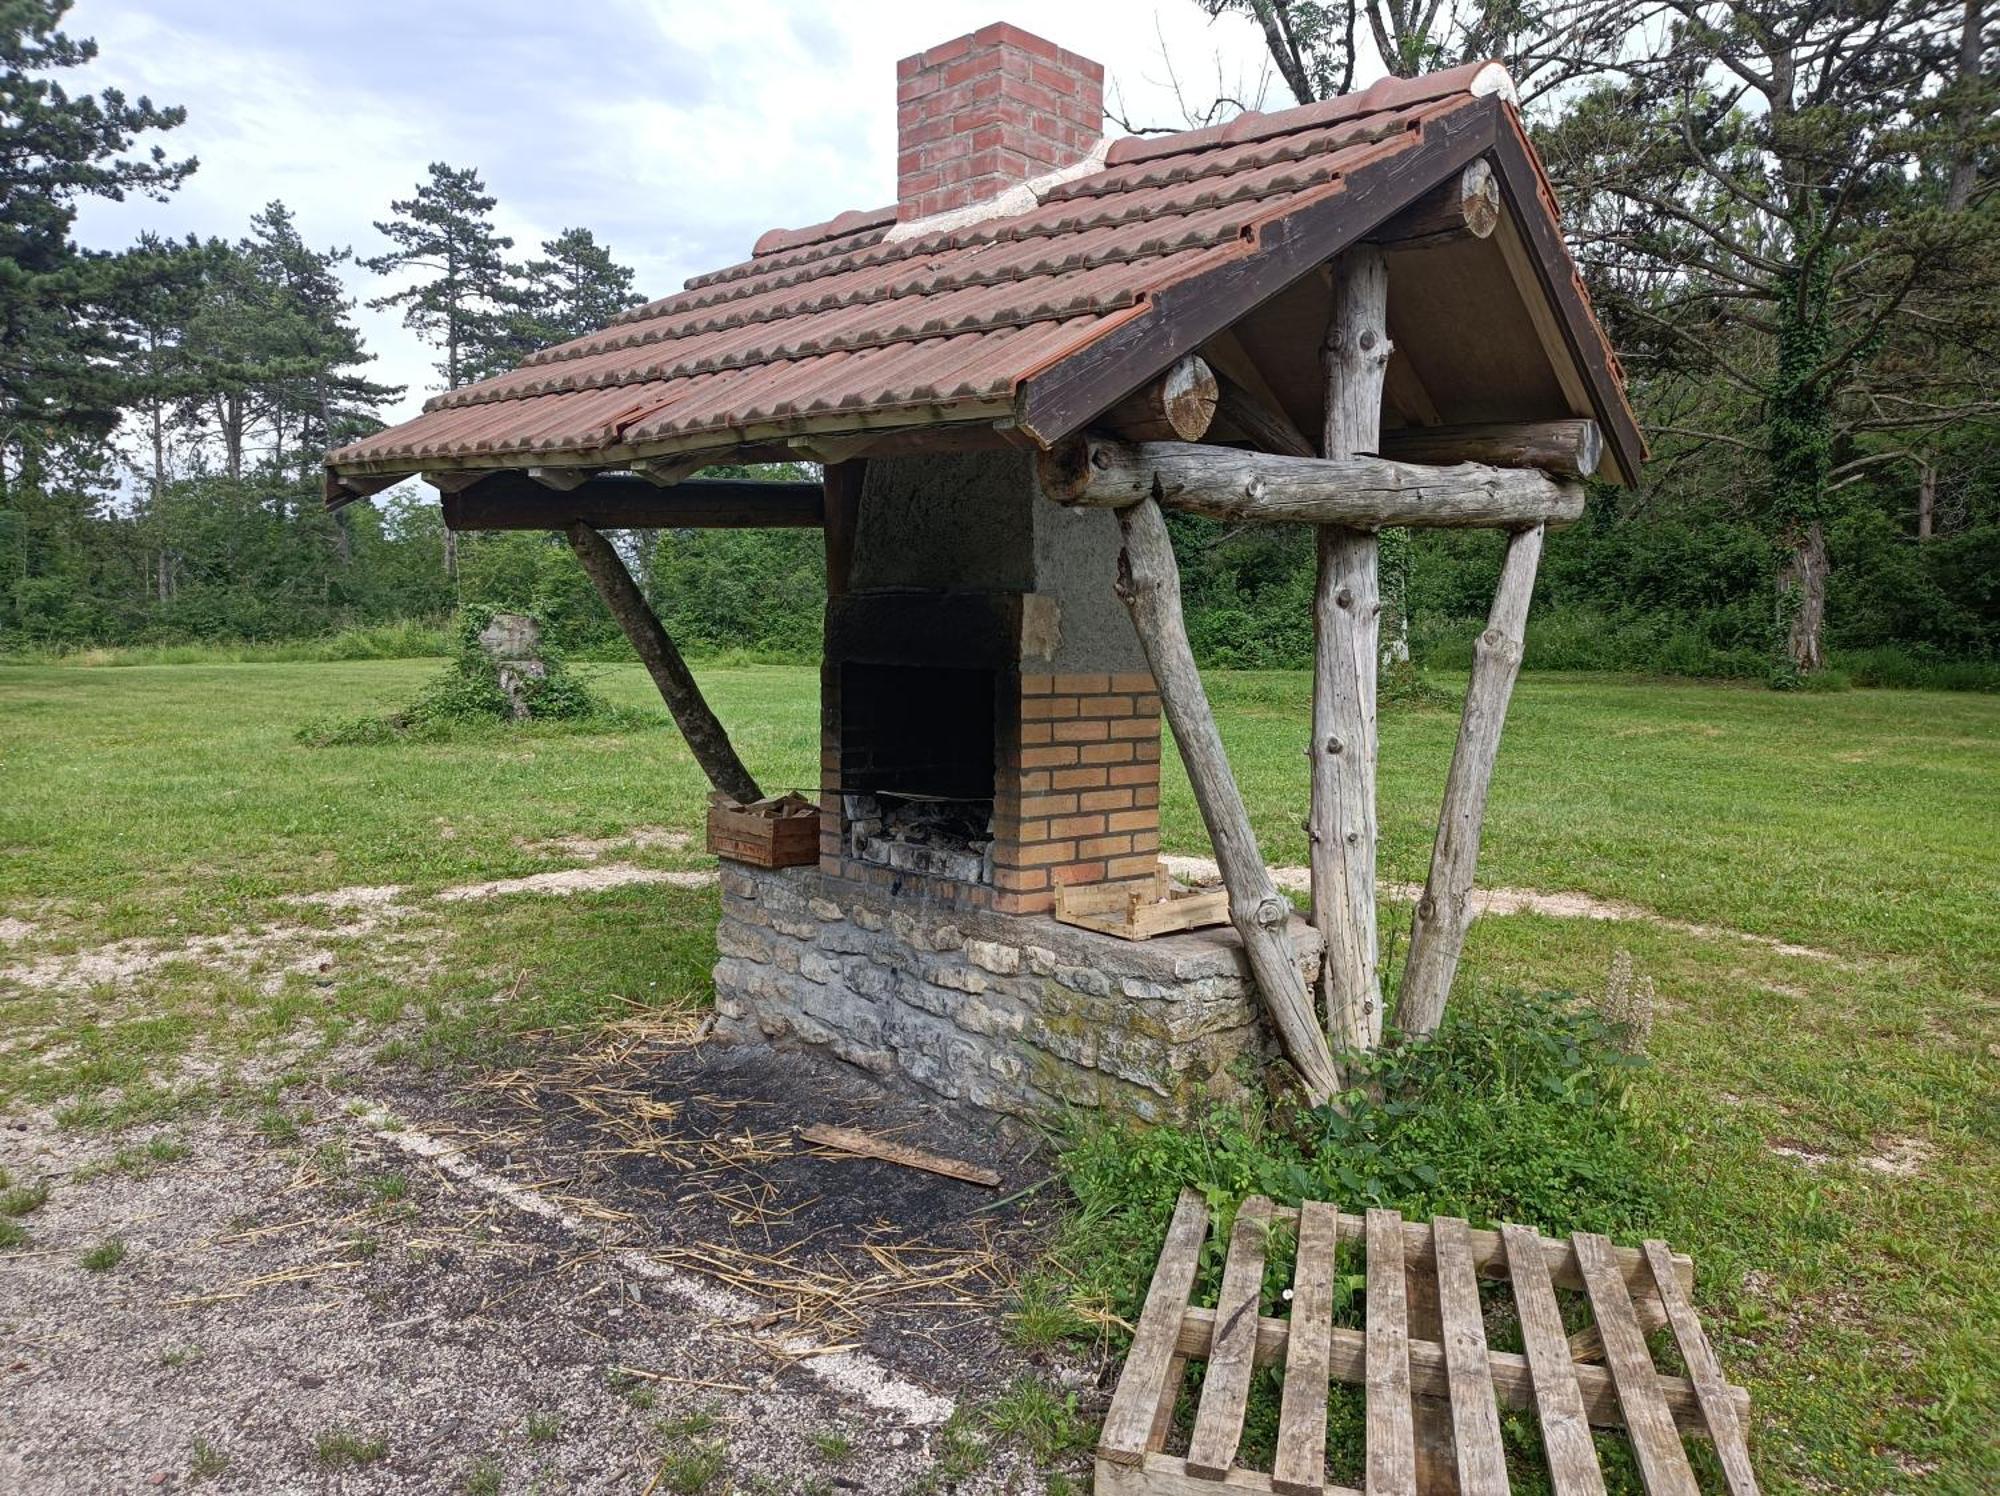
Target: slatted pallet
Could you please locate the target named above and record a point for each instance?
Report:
(1453, 1386)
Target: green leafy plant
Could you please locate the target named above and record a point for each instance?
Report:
(466, 696)
(343, 1449)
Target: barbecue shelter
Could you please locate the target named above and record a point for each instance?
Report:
(1355, 314)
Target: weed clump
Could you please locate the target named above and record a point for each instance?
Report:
(1513, 1111)
(467, 697)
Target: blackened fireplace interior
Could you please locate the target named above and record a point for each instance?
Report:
(917, 767)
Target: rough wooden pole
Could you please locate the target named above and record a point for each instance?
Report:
(1347, 608)
(1360, 493)
(1438, 934)
(1570, 448)
(705, 735)
(1149, 582)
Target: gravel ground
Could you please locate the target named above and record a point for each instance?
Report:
(610, 1273)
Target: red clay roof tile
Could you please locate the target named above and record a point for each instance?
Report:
(848, 324)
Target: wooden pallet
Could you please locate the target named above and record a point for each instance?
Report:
(1463, 1383)
(1139, 909)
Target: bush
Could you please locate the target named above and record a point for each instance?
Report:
(467, 695)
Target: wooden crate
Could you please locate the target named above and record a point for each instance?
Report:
(781, 831)
(1464, 1384)
(1140, 909)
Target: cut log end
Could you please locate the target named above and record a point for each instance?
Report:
(1468, 208)
(1178, 406)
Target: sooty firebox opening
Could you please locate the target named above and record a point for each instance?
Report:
(917, 767)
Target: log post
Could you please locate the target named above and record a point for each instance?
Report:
(706, 738)
(1149, 582)
(1347, 608)
(1437, 936)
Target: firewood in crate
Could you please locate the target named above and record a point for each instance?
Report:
(777, 831)
(1139, 909)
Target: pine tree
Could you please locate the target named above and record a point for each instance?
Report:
(464, 295)
(58, 346)
(329, 401)
(576, 289)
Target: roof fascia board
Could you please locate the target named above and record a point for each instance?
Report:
(1521, 187)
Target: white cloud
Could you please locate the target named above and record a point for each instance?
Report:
(677, 130)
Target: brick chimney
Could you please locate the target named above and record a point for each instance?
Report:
(977, 115)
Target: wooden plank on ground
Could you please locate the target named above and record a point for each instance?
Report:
(1299, 1467)
(1135, 1405)
(1573, 1468)
(1225, 1386)
(1170, 1394)
(1663, 1463)
(852, 1140)
(1718, 1408)
(1475, 1414)
(1392, 1457)
(1168, 1475)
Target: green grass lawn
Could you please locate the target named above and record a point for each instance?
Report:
(1855, 1292)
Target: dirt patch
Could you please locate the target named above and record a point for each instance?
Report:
(579, 880)
(1812, 1158)
(275, 951)
(280, 950)
(1898, 1157)
(1510, 901)
(636, 839)
(13, 931)
(619, 1246)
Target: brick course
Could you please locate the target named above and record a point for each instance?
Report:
(981, 112)
(1083, 808)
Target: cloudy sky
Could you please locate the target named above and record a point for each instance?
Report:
(676, 130)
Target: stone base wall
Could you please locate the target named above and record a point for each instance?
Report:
(1019, 1015)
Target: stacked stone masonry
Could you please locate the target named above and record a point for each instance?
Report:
(1012, 1015)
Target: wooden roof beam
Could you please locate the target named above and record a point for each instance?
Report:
(516, 501)
(1362, 492)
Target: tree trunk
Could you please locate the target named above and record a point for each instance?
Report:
(1926, 499)
(1802, 592)
(1965, 160)
(1347, 614)
(705, 736)
(1149, 582)
(1437, 934)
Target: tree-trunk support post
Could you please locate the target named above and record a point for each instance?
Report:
(1150, 585)
(706, 737)
(1347, 608)
(1437, 935)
